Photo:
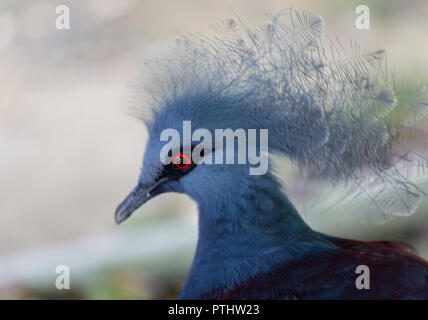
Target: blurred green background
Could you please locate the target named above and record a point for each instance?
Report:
(69, 151)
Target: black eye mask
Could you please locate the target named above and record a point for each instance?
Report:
(173, 172)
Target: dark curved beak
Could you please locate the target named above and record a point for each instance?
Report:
(138, 196)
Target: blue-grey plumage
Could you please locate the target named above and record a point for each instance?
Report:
(334, 112)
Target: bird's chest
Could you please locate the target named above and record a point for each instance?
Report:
(217, 275)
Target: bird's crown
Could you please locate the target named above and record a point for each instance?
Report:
(333, 109)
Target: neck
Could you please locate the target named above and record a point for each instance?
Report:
(248, 231)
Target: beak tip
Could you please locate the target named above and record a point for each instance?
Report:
(120, 216)
(118, 221)
(131, 203)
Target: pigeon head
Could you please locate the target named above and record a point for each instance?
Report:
(201, 147)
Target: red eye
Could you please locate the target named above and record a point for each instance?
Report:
(182, 161)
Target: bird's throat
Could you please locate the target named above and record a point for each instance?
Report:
(240, 239)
